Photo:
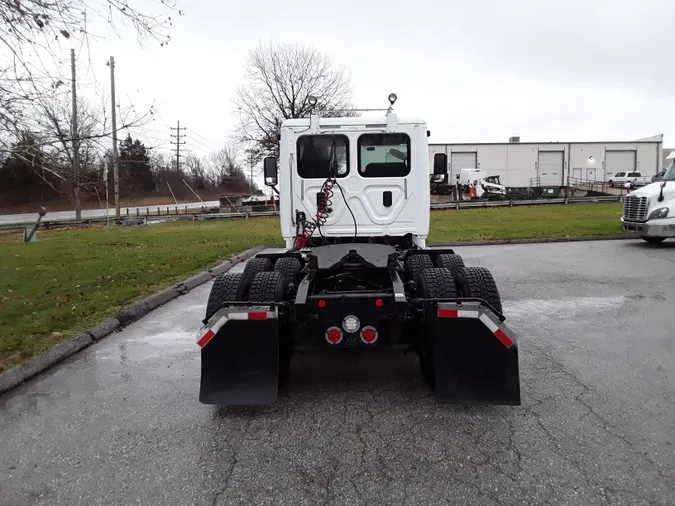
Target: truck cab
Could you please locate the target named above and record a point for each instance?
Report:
(360, 179)
(649, 212)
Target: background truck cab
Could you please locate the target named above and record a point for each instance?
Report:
(650, 211)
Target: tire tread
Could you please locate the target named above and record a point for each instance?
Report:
(227, 287)
(256, 265)
(450, 261)
(478, 282)
(267, 286)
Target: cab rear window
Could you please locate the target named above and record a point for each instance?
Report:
(384, 155)
(314, 156)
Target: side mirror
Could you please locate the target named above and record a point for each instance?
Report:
(440, 163)
(270, 170)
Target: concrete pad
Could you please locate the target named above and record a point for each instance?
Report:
(133, 312)
(103, 329)
(220, 269)
(160, 298)
(196, 280)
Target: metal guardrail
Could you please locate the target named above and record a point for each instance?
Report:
(462, 204)
(468, 204)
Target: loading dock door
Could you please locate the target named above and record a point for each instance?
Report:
(619, 161)
(550, 168)
(462, 160)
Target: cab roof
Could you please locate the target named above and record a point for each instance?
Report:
(356, 121)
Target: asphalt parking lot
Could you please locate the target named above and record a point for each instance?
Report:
(120, 423)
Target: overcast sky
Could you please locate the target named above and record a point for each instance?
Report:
(477, 71)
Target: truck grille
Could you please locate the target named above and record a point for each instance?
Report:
(635, 208)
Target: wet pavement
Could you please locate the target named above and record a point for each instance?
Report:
(120, 423)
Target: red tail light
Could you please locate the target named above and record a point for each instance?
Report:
(379, 303)
(334, 335)
(322, 303)
(368, 335)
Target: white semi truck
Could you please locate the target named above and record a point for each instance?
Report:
(356, 275)
(649, 212)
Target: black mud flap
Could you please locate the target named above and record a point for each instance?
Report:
(475, 356)
(240, 357)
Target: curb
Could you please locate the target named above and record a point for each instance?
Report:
(33, 366)
(542, 240)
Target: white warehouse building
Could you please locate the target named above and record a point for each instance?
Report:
(525, 164)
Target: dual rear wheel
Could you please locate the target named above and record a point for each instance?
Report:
(261, 281)
(448, 280)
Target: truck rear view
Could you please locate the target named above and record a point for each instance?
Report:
(356, 275)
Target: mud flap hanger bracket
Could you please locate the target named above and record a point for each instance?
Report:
(235, 311)
(478, 311)
(469, 303)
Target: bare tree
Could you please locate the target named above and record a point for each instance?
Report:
(195, 170)
(223, 165)
(53, 124)
(31, 32)
(278, 81)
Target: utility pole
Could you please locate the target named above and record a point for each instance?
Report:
(116, 166)
(76, 142)
(251, 161)
(177, 143)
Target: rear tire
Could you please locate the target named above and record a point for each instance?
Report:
(271, 287)
(611, 184)
(227, 287)
(289, 267)
(256, 265)
(450, 261)
(434, 283)
(416, 263)
(652, 240)
(268, 287)
(478, 282)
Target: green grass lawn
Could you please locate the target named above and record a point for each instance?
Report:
(526, 222)
(72, 279)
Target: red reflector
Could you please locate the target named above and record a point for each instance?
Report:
(203, 341)
(506, 340)
(322, 303)
(369, 335)
(257, 316)
(334, 335)
(379, 303)
(447, 313)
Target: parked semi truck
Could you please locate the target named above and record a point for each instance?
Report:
(649, 212)
(356, 275)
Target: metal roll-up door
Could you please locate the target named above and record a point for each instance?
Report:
(550, 168)
(619, 161)
(462, 160)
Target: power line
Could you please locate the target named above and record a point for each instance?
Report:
(178, 143)
(202, 144)
(204, 138)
